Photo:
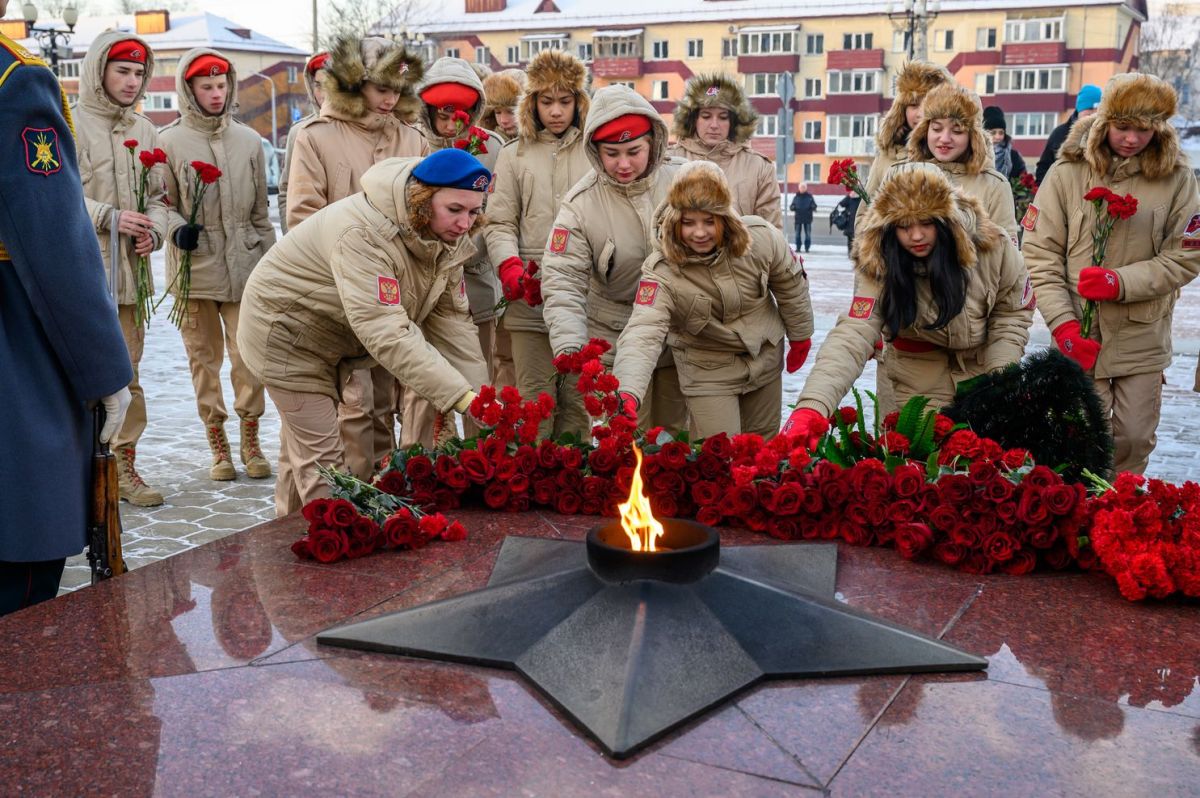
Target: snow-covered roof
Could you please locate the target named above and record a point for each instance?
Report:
(452, 17)
(187, 31)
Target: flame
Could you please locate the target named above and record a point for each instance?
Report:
(637, 519)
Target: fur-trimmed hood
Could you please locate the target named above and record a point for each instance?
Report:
(714, 90)
(552, 69)
(501, 90)
(189, 109)
(92, 95)
(449, 70)
(913, 82)
(951, 101)
(918, 192)
(699, 186)
(1142, 100)
(615, 101)
(353, 61)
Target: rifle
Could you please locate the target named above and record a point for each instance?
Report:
(104, 524)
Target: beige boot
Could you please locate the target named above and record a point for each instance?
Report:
(257, 466)
(222, 467)
(133, 489)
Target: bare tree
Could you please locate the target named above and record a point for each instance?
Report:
(54, 8)
(357, 18)
(1170, 48)
(131, 6)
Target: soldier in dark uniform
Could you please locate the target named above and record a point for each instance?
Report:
(60, 342)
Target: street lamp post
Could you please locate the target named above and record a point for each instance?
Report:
(53, 41)
(274, 123)
(914, 19)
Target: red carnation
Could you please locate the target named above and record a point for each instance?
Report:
(131, 144)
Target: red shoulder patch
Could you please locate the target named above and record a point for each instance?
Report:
(1028, 300)
(861, 307)
(389, 290)
(647, 290)
(1191, 233)
(559, 239)
(1029, 220)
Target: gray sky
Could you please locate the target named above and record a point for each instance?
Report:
(287, 20)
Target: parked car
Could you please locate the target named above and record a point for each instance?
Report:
(271, 157)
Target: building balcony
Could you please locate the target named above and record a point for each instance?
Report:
(1020, 53)
(1056, 101)
(618, 67)
(856, 104)
(749, 64)
(854, 59)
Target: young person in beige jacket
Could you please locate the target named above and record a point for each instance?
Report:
(376, 277)
(714, 122)
(914, 80)
(112, 80)
(370, 104)
(502, 91)
(231, 234)
(1128, 147)
(316, 98)
(722, 291)
(603, 234)
(533, 175)
(942, 282)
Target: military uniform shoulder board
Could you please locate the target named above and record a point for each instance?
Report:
(20, 53)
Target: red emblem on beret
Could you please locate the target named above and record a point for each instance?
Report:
(480, 183)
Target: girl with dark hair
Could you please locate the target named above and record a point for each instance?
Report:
(941, 281)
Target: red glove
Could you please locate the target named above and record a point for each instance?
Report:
(511, 272)
(797, 354)
(629, 404)
(1069, 338)
(878, 348)
(806, 426)
(1099, 285)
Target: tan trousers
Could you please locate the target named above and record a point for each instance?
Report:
(758, 411)
(308, 436)
(534, 363)
(135, 419)
(503, 371)
(416, 420)
(664, 404)
(487, 344)
(356, 423)
(208, 331)
(1133, 405)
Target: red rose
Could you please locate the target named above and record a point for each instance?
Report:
(571, 457)
(1022, 562)
(392, 482)
(955, 489)
(674, 455)
(1031, 509)
(301, 549)
(942, 426)
(740, 500)
(965, 535)
(1014, 458)
(455, 532)
(1060, 499)
(718, 446)
(669, 483)
(912, 539)
(327, 545)
(949, 553)
(999, 489)
(314, 511)
(496, 495)
(1041, 477)
(787, 499)
(999, 547)
(783, 528)
(398, 528)
(664, 506)
(340, 514)
(456, 478)
(548, 454)
(835, 492)
(709, 465)
(1058, 557)
(908, 480)
(982, 473)
(902, 511)
(705, 493)
(359, 548)
(595, 488)
(418, 467)
(364, 528)
(567, 503)
(975, 563)
(475, 466)
(710, 515)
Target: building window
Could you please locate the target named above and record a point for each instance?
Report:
(900, 41)
(513, 55)
(160, 101)
(628, 83)
(762, 84)
(943, 40)
(68, 69)
(985, 38)
(768, 125)
(857, 41)
(768, 42)
(660, 49)
(452, 52)
(729, 47)
(985, 84)
(535, 46)
(659, 90)
(858, 81)
(625, 47)
(851, 134)
(1034, 30)
(812, 87)
(585, 53)
(695, 48)
(812, 172)
(293, 74)
(814, 44)
(812, 130)
(482, 55)
(1035, 79)
(1036, 125)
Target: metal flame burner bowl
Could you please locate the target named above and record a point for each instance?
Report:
(687, 552)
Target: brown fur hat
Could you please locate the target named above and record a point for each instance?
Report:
(501, 91)
(552, 69)
(951, 101)
(353, 61)
(913, 82)
(1143, 101)
(700, 186)
(714, 90)
(921, 192)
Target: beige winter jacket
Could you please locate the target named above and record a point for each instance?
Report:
(355, 286)
(751, 176)
(724, 318)
(483, 284)
(1155, 253)
(237, 232)
(110, 178)
(289, 146)
(990, 332)
(332, 152)
(603, 234)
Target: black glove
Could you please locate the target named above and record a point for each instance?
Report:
(187, 238)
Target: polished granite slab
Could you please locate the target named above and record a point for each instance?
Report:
(200, 675)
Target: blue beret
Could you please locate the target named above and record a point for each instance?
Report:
(452, 168)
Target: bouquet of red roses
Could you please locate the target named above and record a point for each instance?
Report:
(143, 306)
(845, 173)
(1118, 208)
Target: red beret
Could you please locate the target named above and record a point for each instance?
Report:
(128, 50)
(622, 129)
(207, 66)
(318, 61)
(450, 96)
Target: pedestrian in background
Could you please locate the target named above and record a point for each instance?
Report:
(1086, 103)
(844, 217)
(1008, 161)
(803, 208)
